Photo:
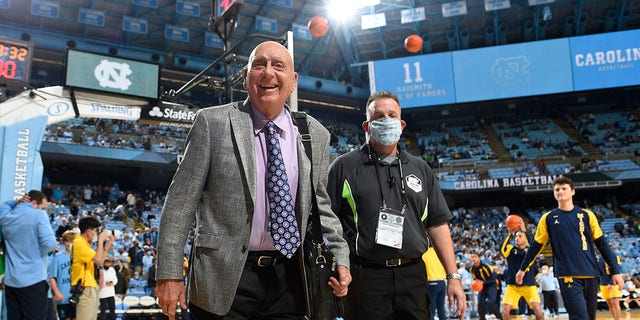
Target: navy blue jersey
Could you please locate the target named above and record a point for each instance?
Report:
(574, 236)
(515, 257)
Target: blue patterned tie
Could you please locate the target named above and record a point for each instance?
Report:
(283, 225)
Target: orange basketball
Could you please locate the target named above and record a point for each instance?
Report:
(318, 26)
(413, 43)
(477, 285)
(514, 222)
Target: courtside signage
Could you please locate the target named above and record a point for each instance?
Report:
(419, 81)
(606, 60)
(525, 69)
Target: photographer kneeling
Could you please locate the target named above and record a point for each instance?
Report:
(84, 262)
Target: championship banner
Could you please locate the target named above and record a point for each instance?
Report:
(21, 165)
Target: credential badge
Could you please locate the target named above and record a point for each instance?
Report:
(414, 183)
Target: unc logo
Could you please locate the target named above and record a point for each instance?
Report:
(511, 71)
(58, 108)
(155, 112)
(113, 75)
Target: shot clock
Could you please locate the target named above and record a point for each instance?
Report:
(15, 61)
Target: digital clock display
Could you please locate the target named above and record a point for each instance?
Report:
(15, 61)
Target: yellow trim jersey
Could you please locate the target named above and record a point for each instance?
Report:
(574, 236)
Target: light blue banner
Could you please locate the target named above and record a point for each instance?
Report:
(301, 31)
(188, 8)
(136, 25)
(606, 60)
(266, 24)
(176, 33)
(213, 40)
(45, 9)
(525, 69)
(92, 17)
(21, 165)
(419, 81)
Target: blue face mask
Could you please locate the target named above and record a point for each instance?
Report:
(385, 131)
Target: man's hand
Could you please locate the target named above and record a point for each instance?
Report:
(520, 277)
(457, 298)
(58, 297)
(340, 288)
(170, 294)
(619, 280)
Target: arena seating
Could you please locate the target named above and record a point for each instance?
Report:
(458, 144)
(612, 132)
(530, 138)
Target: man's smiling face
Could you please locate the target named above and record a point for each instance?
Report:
(269, 78)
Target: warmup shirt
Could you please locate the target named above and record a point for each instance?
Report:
(514, 258)
(485, 273)
(605, 271)
(358, 183)
(568, 231)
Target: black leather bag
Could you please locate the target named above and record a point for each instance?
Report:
(319, 263)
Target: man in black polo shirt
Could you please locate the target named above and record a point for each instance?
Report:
(389, 203)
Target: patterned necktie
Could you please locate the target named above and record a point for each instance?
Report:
(283, 225)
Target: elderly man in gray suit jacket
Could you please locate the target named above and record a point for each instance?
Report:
(237, 272)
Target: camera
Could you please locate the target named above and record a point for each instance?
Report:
(76, 291)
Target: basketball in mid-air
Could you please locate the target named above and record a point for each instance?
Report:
(477, 285)
(514, 222)
(413, 43)
(318, 26)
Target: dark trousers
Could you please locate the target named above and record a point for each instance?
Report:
(28, 303)
(551, 301)
(264, 293)
(108, 308)
(488, 302)
(398, 293)
(437, 292)
(580, 297)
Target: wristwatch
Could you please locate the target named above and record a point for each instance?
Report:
(454, 276)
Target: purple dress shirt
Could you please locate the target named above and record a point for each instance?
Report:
(261, 239)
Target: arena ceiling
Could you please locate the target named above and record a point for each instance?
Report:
(341, 55)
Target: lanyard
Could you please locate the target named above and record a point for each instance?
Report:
(391, 180)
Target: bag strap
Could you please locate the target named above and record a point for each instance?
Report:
(300, 120)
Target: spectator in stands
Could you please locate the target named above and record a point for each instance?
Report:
(147, 260)
(550, 288)
(28, 239)
(123, 283)
(135, 256)
(60, 278)
(108, 281)
(136, 281)
(64, 226)
(634, 296)
(221, 141)
(122, 254)
(84, 262)
(151, 279)
(57, 195)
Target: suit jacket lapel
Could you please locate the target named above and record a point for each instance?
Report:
(242, 134)
(304, 188)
